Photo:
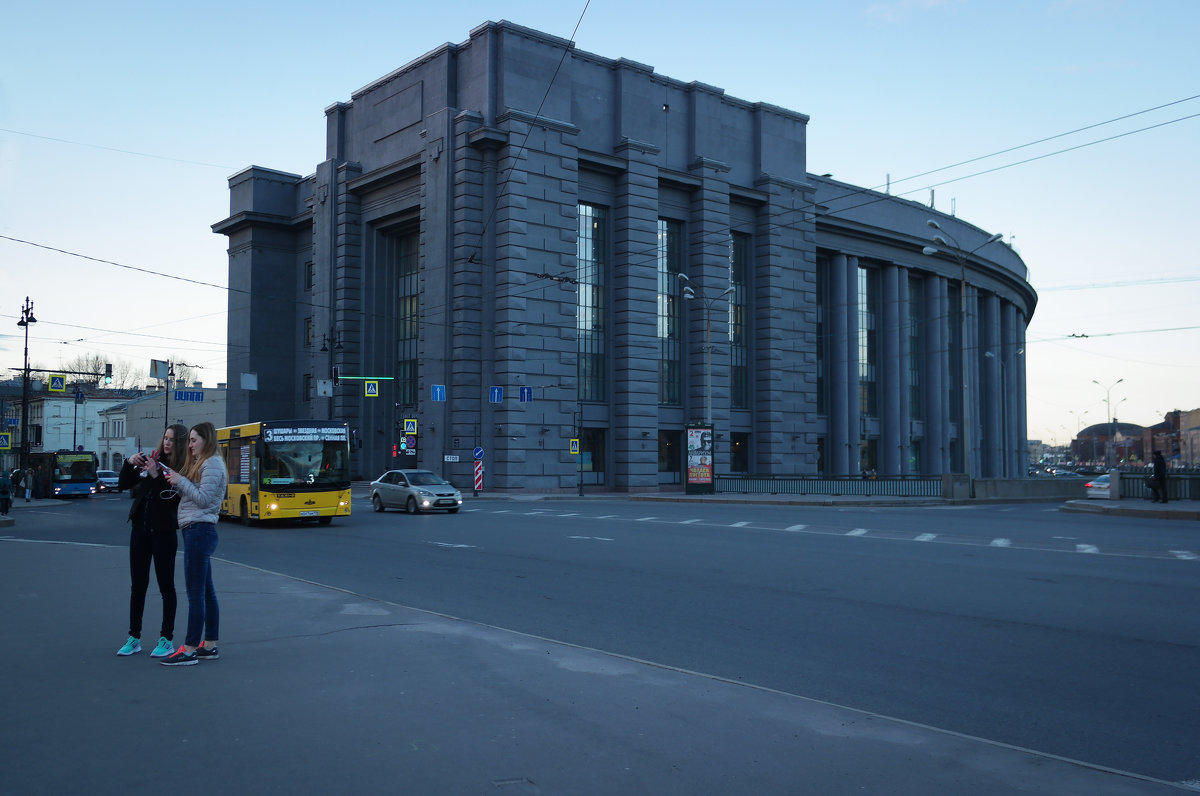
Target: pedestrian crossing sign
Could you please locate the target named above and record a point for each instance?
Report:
(574, 447)
(410, 425)
(58, 383)
(371, 389)
(5, 442)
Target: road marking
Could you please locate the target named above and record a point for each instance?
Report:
(925, 537)
(606, 516)
(576, 514)
(1003, 542)
(593, 538)
(795, 527)
(1186, 555)
(1086, 548)
(448, 544)
(645, 519)
(689, 522)
(739, 525)
(858, 532)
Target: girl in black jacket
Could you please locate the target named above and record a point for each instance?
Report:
(152, 537)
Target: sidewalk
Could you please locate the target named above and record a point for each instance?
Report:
(322, 690)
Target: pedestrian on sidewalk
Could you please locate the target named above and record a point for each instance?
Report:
(6, 488)
(201, 487)
(152, 539)
(1159, 485)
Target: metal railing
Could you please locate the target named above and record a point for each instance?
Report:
(891, 486)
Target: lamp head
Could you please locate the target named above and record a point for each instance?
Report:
(933, 224)
(939, 240)
(929, 250)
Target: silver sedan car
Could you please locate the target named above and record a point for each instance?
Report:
(414, 491)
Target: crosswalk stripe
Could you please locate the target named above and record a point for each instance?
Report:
(858, 532)
(1086, 548)
(1002, 542)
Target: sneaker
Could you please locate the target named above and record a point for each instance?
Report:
(208, 654)
(164, 648)
(180, 657)
(132, 645)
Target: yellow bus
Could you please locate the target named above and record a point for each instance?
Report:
(286, 470)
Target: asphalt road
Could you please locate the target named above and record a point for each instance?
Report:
(1071, 635)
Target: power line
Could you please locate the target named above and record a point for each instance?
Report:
(115, 149)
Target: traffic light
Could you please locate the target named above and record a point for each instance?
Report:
(335, 374)
(108, 374)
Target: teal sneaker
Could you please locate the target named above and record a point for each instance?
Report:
(132, 646)
(163, 649)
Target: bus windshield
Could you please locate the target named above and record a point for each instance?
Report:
(319, 464)
(75, 467)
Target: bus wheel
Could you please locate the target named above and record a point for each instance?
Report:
(324, 520)
(245, 514)
(411, 506)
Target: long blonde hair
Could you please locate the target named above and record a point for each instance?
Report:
(208, 436)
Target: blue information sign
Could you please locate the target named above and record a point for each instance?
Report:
(438, 392)
(496, 395)
(478, 454)
(526, 394)
(190, 395)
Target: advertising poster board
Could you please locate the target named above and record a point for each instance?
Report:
(700, 470)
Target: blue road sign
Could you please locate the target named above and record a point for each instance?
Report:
(410, 425)
(196, 396)
(13, 421)
(496, 394)
(58, 383)
(478, 454)
(526, 394)
(5, 441)
(371, 389)
(438, 392)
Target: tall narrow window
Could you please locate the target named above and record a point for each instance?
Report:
(670, 317)
(916, 358)
(401, 252)
(739, 369)
(591, 264)
(822, 346)
(868, 342)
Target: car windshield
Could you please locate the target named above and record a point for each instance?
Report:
(424, 478)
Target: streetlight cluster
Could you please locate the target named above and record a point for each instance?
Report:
(690, 293)
(26, 321)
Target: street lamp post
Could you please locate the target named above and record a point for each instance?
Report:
(1078, 426)
(26, 319)
(951, 245)
(1108, 408)
(690, 293)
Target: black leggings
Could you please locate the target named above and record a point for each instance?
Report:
(159, 546)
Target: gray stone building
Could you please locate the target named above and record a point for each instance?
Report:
(492, 249)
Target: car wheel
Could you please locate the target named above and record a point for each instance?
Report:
(412, 506)
(453, 510)
(376, 503)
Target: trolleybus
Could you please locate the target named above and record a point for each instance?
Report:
(286, 470)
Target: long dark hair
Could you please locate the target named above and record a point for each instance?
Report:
(178, 456)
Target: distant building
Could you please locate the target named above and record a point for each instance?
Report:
(494, 256)
(138, 424)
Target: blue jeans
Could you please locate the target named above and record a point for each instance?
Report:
(199, 542)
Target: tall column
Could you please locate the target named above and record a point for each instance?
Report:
(853, 406)
(992, 389)
(890, 386)
(1014, 440)
(635, 314)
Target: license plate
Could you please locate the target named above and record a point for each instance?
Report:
(310, 514)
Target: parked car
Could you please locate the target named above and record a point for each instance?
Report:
(414, 491)
(1097, 487)
(106, 481)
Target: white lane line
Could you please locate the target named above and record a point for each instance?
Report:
(1003, 542)
(1086, 548)
(925, 537)
(645, 519)
(795, 527)
(606, 516)
(569, 515)
(858, 532)
(689, 522)
(739, 525)
(1186, 555)
(450, 544)
(593, 538)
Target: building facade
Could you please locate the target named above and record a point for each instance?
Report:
(491, 253)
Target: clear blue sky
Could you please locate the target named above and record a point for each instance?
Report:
(899, 88)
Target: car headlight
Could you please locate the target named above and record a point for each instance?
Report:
(424, 493)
